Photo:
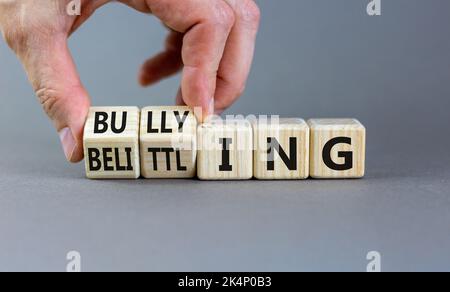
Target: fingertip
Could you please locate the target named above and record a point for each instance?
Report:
(73, 149)
(147, 74)
(144, 78)
(203, 113)
(72, 135)
(78, 154)
(159, 67)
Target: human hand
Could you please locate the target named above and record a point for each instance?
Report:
(211, 41)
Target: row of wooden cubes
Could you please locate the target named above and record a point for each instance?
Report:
(167, 142)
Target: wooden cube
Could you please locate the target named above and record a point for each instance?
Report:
(225, 150)
(281, 149)
(338, 148)
(168, 142)
(111, 143)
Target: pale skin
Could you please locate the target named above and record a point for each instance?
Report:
(211, 41)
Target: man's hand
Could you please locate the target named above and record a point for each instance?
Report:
(211, 41)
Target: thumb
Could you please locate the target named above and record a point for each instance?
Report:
(54, 77)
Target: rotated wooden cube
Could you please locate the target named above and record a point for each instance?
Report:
(338, 148)
(111, 143)
(168, 142)
(225, 150)
(281, 149)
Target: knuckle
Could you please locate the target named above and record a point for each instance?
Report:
(23, 38)
(224, 16)
(249, 12)
(15, 38)
(22, 34)
(48, 99)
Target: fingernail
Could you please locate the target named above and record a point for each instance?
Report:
(211, 107)
(68, 142)
(198, 112)
(208, 110)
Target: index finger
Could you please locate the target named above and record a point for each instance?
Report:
(207, 25)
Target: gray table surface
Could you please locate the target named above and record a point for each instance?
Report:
(314, 59)
(47, 208)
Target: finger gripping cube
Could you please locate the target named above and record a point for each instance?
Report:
(111, 143)
(168, 142)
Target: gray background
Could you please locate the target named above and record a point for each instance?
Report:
(314, 58)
